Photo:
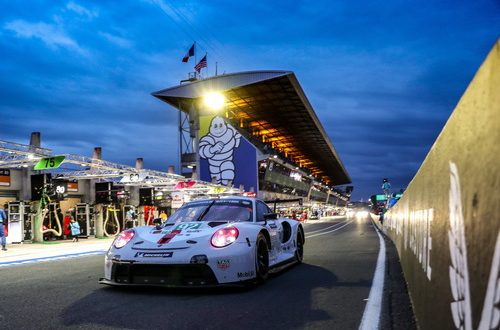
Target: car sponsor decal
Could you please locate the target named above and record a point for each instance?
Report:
(233, 201)
(249, 273)
(165, 239)
(154, 254)
(223, 264)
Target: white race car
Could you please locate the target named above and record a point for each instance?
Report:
(208, 242)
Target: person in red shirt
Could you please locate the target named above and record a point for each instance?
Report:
(66, 222)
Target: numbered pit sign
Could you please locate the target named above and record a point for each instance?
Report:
(49, 162)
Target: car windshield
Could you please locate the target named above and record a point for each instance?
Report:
(233, 210)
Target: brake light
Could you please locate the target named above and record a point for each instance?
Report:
(225, 236)
(124, 238)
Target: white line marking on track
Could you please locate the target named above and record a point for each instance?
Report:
(373, 308)
(315, 231)
(42, 259)
(330, 231)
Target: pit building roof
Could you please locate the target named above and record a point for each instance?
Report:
(269, 106)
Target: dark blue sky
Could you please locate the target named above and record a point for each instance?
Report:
(383, 76)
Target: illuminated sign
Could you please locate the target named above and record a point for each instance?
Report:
(133, 177)
(49, 162)
(5, 178)
(177, 199)
(378, 198)
(184, 184)
(296, 176)
(73, 186)
(216, 190)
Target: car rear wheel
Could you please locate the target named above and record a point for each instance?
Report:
(261, 259)
(299, 248)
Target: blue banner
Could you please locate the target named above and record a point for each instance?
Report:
(225, 155)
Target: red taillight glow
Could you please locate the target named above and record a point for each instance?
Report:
(124, 238)
(225, 236)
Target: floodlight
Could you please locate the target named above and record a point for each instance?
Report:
(214, 101)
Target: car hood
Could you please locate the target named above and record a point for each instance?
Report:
(180, 235)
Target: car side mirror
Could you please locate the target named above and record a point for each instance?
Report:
(270, 216)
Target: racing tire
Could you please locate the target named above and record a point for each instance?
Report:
(299, 247)
(261, 259)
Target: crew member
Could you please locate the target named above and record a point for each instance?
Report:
(75, 229)
(386, 187)
(3, 221)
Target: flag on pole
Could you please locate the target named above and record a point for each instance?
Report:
(201, 64)
(188, 54)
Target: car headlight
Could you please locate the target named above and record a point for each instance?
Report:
(123, 238)
(361, 214)
(225, 236)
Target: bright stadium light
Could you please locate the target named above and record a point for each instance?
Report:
(214, 101)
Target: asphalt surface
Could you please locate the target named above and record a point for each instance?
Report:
(328, 291)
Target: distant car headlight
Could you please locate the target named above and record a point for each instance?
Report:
(361, 214)
(225, 236)
(124, 238)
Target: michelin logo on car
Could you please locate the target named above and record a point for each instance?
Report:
(154, 254)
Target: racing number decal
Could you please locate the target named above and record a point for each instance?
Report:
(188, 226)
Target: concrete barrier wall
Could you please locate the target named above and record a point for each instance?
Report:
(447, 225)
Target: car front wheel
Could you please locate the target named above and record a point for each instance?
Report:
(299, 248)
(261, 259)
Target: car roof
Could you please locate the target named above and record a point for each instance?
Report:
(243, 198)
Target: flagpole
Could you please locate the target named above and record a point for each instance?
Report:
(195, 61)
(206, 61)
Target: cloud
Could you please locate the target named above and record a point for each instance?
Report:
(167, 9)
(80, 10)
(53, 36)
(118, 41)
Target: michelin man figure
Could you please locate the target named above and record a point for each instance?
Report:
(218, 148)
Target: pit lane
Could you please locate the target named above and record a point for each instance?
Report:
(328, 291)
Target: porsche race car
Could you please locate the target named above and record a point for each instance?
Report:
(210, 242)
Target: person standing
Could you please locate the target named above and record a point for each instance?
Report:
(75, 229)
(66, 224)
(3, 221)
(386, 187)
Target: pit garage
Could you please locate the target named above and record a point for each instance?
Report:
(41, 192)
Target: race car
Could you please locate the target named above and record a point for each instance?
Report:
(210, 242)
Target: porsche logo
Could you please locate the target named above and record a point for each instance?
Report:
(223, 264)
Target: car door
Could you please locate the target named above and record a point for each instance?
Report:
(274, 228)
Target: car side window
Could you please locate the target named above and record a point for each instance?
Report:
(262, 209)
